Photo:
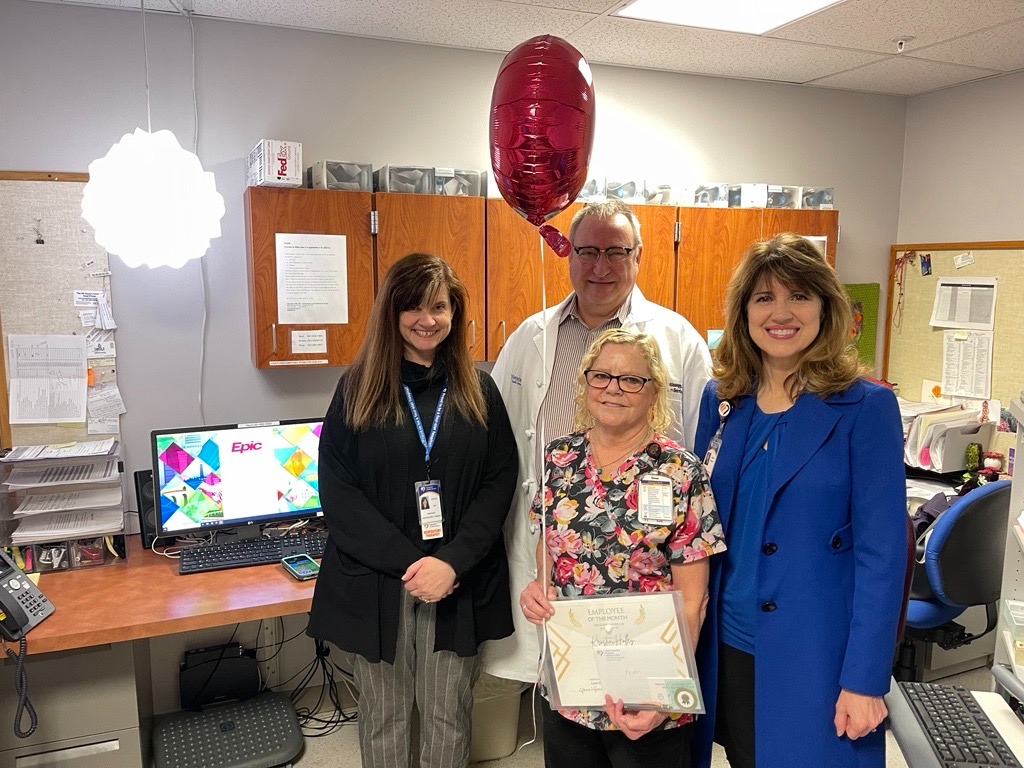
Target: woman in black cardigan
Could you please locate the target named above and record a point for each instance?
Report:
(417, 471)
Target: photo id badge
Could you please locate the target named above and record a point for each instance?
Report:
(654, 501)
(428, 505)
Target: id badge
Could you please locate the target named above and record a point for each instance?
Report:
(428, 506)
(712, 455)
(654, 501)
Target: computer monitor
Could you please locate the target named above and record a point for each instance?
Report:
(235, 475)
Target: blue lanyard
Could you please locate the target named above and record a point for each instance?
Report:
(428, 444)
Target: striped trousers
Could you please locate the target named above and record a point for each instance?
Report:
(439, 683)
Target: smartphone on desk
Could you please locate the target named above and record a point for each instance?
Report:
(302, 567)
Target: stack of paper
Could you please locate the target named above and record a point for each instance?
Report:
(63, 492)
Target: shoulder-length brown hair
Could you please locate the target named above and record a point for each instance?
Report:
(372, 385)
(829, 365)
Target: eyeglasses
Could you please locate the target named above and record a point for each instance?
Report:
(588, 254)
(627, 382)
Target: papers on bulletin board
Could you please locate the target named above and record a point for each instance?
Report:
(312, 279)
(967, 302)
(48, 379)
(967, 364)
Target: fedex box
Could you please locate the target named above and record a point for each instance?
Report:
(274, 163)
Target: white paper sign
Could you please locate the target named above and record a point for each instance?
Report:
(312, 279)
(309, 342)
(965, 302)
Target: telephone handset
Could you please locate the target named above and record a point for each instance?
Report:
(22, 605)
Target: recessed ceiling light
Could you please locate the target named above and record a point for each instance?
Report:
(754, 17)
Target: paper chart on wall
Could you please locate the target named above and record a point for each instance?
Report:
(48, 379)
(968, 303)
(967, 364)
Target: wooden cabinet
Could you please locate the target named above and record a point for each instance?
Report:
(513, 265)
(496, 254)
(714, 239)
(450, 227)
(513, 270)
(269, 211)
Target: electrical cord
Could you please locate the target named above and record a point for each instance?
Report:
(21, 686)
(312, 724)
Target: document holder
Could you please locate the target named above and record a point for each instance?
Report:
(952, 455)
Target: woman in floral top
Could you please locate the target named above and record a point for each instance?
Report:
(597, 543)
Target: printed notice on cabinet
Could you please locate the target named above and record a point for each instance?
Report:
(312, 279)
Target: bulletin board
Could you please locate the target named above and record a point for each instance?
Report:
(47, 252)
(913, 348)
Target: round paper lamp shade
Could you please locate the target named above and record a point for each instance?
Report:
(151, 202)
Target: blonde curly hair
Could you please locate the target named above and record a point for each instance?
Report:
(659, 418)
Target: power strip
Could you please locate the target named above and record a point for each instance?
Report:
(267, 642)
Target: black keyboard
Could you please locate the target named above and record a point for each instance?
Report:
(957, 728)
(258, 551)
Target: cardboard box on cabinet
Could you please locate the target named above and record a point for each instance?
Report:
(275, 163)
(818, 197)
(784, 197)
(339, 174)
(418, 179)
(460, 182)
(713, 194)
(748, 195)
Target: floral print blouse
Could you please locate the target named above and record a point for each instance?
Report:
(594, 536)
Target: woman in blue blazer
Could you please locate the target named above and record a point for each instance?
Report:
(806, 465)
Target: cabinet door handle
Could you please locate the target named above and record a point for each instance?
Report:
(472, 333)
(273, 338)
(502, 326)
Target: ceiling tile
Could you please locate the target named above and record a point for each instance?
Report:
(481, 24)
(703, 51)
(996, 48)
(904, 76)
(874, 25)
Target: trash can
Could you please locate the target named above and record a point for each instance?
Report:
(495, 717)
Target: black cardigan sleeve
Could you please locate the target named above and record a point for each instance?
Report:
(483, 519)
(356, 526)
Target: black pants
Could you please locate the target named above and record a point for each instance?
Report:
(567, 744)
(734, 714)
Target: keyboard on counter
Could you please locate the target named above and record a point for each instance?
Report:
(220, 556)
(960, 733)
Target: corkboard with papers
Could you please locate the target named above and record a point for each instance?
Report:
(49, 261)
(916, 351)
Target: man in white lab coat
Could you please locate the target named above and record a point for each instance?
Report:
(536, 374)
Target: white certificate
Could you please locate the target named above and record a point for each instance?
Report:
(631, 647)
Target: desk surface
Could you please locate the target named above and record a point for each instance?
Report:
(146, 597)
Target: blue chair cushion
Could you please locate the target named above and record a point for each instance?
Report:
(925, 614)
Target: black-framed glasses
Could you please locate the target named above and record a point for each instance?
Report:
(588, 254)
(627, 381)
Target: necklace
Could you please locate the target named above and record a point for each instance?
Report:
(617, 460)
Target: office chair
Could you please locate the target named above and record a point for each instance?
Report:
(959, 564)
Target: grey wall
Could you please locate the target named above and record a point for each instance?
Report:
(964, 164)
(73, 84)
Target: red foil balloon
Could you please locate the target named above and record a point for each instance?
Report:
(542, 130)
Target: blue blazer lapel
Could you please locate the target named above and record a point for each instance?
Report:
(734, 441)
(809, 423)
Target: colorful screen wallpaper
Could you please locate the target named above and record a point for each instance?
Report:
(236, 475)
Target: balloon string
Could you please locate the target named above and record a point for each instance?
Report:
(543, 441)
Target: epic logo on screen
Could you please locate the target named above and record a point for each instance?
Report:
(243, 447)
